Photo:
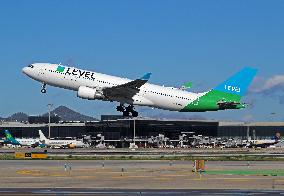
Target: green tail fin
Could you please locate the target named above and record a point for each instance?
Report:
(227, 95)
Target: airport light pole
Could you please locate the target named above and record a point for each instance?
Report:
(134, 130)
(49, 109)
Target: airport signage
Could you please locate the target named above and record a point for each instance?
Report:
(29, 155)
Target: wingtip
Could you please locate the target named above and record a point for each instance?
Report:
(146, 76)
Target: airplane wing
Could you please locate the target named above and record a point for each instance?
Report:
(127, 90)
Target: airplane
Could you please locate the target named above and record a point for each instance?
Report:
(92, 85)
(60, 143)
(264, 143)
(20, 142)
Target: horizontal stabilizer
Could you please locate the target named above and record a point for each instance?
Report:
(230, 105)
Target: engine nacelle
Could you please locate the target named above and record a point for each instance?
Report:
(89, 93)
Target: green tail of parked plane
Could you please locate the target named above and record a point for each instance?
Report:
(10, 139)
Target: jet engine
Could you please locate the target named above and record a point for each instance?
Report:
(89, 93)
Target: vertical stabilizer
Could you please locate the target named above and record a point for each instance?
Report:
(10, 139)
(8, 136)
(226, 95)
(41, 136)
(238, 83)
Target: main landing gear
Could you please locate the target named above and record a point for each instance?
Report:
(43, 90)
(127, 110)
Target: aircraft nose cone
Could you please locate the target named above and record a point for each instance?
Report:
(25, 70)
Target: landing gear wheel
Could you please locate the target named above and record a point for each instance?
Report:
(125, 113)
(43, 91)
(129, 108)
(120, 108)
(134, 114)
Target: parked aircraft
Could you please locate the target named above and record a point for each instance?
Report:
(264, 143)
(93, 85)
(20, 141)
(54, 143)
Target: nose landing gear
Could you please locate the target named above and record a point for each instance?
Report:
(127, 110)
(43, 90)
(134, 113)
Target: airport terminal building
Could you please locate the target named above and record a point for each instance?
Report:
(117, 128)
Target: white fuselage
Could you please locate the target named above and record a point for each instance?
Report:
(60, 143)
(151, 95)
(27, 141)
(64, 143)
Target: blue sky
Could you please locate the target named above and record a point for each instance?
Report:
(178, 41)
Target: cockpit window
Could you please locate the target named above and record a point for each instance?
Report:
(31, 66)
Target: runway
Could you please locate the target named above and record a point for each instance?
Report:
(128, 192)
(234, 154)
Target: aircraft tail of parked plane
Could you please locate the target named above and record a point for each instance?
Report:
(10, 139)
(42, 136)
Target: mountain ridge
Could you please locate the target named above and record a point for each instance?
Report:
(65, 114)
